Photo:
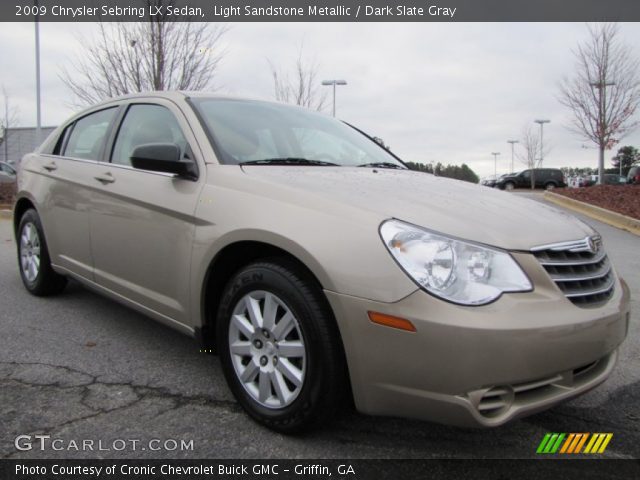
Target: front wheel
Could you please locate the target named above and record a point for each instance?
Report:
(509, 186)
(37, 274)
(279, 347)
(550, 186)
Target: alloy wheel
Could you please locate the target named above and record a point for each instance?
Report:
(30, 252)
(267, 349)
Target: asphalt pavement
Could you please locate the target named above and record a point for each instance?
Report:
(86, 371)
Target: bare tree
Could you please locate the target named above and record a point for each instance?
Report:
(302, 87)
(530, 152)
(155, 54)
(8, 120)
(604, 93)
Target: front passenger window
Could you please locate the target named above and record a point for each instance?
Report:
(146, 124)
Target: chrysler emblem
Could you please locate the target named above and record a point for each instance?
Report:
(594, 244)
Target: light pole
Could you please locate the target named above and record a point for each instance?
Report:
(334, 83)
(512, 142)
(38, 113)
(5, 134)
(495, 163)
(541, 123)
(602, 105)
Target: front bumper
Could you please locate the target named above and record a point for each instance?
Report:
(479, 366)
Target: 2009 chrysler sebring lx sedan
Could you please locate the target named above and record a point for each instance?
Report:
(318, 265)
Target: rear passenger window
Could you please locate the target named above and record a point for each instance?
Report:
(88, 135)
(57, 150)
(144, 124)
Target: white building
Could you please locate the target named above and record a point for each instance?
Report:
(20, 141)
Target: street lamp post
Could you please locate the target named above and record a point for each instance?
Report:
(512, 142)
(541, 123)
(495, 163)
(38, 114)
(334, 83)
(602, 105)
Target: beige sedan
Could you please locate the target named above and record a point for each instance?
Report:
(319, 267)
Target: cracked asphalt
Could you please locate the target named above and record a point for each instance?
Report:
(81, 367)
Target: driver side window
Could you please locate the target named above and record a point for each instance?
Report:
(144, 124)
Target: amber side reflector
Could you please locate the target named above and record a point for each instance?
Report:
(390, 321)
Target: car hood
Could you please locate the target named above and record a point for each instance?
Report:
(452, 207)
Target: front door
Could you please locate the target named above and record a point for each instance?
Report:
(142, 223)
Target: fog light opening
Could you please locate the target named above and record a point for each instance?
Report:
(496, 401)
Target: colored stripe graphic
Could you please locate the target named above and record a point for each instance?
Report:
(605, 443)
(573, 443)
(567, 442)
(550, 443)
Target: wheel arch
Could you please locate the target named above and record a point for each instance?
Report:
(229, 260)
(22, 205)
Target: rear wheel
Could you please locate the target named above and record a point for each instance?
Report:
(33, 258)
(550, 186)
(279, 347)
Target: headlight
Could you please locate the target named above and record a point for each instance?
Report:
(454, 270)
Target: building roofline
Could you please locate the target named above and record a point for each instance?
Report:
(29, 128)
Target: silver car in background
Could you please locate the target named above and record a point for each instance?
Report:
(7, 173)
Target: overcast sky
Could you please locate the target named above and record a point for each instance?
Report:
(435, 92)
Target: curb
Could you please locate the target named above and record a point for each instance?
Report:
(598, 213)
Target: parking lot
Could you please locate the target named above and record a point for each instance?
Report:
(81, 367)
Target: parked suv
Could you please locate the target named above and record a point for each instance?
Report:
(547, 178)
(317, 264)
(633, 176)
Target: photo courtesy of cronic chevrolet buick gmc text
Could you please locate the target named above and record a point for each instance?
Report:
(320, 267)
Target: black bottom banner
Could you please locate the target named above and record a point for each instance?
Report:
(318, 469)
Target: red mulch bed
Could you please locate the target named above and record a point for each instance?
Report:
(7, 192)
(624, 199)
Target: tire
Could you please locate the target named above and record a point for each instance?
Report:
(550, 186)
(287, 392)
(509, 186)
(34, 262)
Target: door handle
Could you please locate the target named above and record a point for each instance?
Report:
(50, 167)
(106, 178)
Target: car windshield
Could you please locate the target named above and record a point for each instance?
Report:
(262, 133)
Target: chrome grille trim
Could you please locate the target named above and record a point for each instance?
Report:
(601, 271)
(580, 269)
(587, 244)
(572, 260)
(593, 291)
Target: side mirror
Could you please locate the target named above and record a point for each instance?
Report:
(163, 157)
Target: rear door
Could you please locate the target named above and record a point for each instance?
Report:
(142, 223)
(69, 177)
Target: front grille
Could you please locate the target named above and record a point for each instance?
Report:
(581, 269)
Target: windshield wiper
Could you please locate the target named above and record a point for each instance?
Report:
(289, 161)
(383, 165)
